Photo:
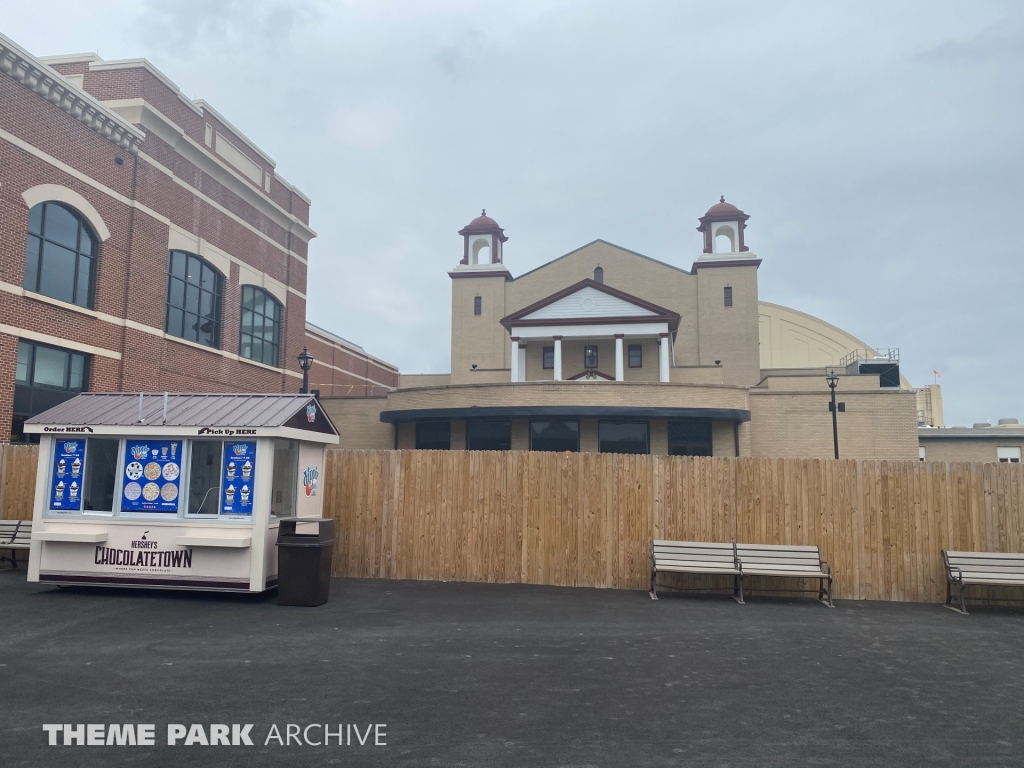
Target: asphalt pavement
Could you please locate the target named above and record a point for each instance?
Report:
(507, 675)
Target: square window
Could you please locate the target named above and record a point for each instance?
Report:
(623, 437)
(689, 438)
(590, 356)
(1008, 455)
(488, 435)
(560, 436)
(549, 358)
(434, 435)
(636, 356)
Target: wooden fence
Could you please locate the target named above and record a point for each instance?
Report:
(586, 519)
(17, 480)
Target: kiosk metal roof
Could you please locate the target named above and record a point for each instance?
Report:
(122, 409)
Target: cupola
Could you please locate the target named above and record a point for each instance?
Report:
(723, 220)
(482, 241)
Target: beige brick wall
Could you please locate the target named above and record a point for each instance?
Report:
(408, 380)
(729, 334)
(358, 421)
(478, 340)
(606, 393)
(876, 425)
(814, 381)
(968, 448)
(723, 438)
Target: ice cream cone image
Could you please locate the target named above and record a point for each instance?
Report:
(59, 488)
(73, 491)
(246, 470)
(62, 468)
(76, 467)
(245, 494)
(229, 494)
(231, 470)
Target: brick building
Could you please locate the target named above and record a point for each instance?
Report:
(147, 244)
(604, 349)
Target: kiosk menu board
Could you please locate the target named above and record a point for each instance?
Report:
(239, 478)
(66, 479)
(152, 469)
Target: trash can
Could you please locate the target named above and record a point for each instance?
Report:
(304, 561)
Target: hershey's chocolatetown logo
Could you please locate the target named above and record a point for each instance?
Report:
(144, 553)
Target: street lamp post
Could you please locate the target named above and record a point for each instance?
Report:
(306, 362)
(833, 380)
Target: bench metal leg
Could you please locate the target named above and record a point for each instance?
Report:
(654, 585)
(825, 590)
(13, 559)
(737, 589)
(960, 595)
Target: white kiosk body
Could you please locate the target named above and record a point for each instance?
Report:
(179, 491)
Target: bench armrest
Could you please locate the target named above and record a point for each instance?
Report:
(826, 567)
(959, 574)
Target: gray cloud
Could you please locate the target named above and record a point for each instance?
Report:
(876, 147)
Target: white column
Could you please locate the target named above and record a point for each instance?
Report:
(515, 358)
(663, 374)
(620, 374)
(522, 361)
(558, 358)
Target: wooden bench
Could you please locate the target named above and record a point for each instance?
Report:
(788, 561)
(739, 560)
(995, 569)
(14, 535)
(698, 557)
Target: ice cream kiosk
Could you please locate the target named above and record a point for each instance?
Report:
(180, 491)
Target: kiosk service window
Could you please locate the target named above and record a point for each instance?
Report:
(153, 478)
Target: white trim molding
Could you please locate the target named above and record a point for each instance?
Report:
(42, 193)
(57, 341)
(35, 75)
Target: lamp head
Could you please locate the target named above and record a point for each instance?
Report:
(832, 379)
(305, 359)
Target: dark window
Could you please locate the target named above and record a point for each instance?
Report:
(549, 357)
(478, 303)
(488, 435)
(689, 438)
(193, 299)
(636, 356)
(100, 474)
(260, 336)
(623, 437)
(590, 356)
(46, 376)
(204, 477)
(555, 436)
(728, 296)
(598, 275)
(434, 435)
(286, 477)
(60, 254)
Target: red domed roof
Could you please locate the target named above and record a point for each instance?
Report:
(483, 224)
(722, 207)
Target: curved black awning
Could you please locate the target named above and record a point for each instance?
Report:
(565, 411)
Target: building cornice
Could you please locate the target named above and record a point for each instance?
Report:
(143, 113)
(26, 69)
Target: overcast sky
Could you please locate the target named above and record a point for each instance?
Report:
(878, 148)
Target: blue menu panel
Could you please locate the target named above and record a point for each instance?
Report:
(239, 478)
(66, 480)
(152, 472)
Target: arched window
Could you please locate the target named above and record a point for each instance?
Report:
(260, 336)
(60, 254)
(598, 275)
(194, 291)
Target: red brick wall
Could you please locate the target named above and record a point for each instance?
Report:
(131, 278)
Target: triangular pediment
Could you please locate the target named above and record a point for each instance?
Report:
(588, 301)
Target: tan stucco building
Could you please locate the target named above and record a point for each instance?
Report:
(605, 349)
